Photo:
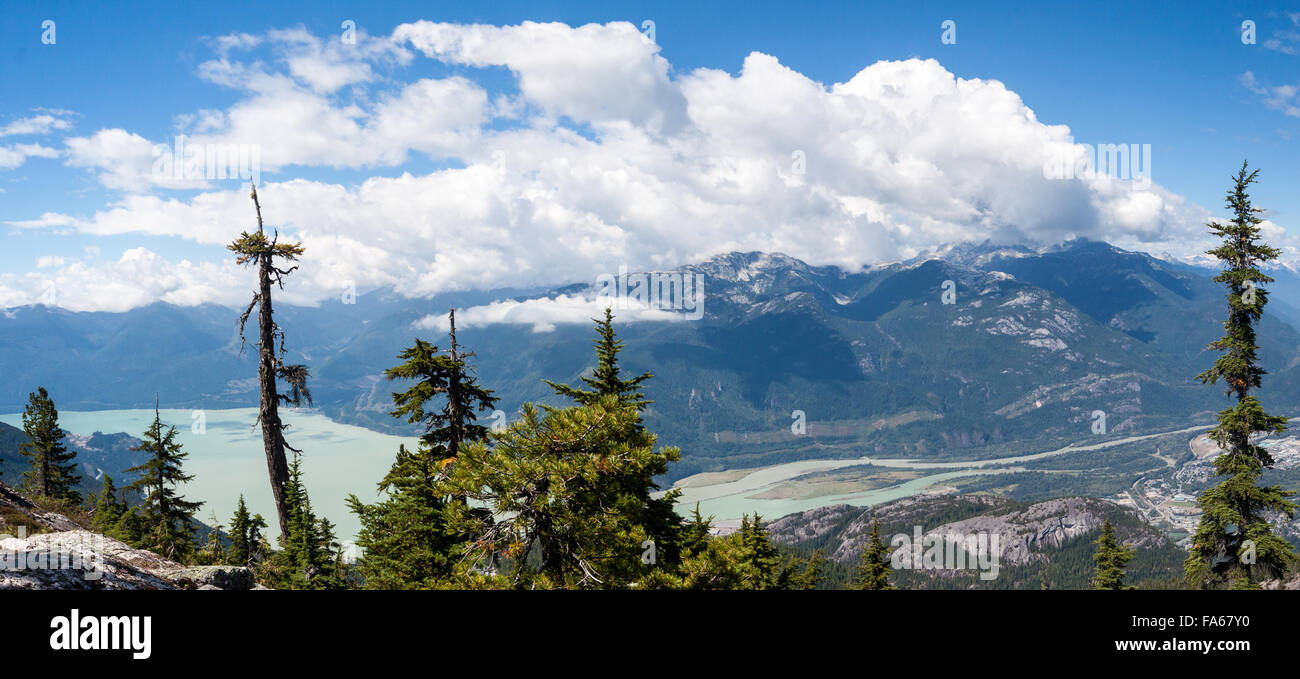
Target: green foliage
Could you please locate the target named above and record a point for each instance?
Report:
(212, 551)
(53, 474)
(310, 555)
(1111, 558)
(606, 380)
(1234, 543)
(167, 518)
(567, 497)
(660, 519)
(405, 537)
(109, 507)
(246, 539)
(873, 571)
(440, 375)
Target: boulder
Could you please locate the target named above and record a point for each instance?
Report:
(213, 577)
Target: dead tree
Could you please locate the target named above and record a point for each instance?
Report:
(254, 249)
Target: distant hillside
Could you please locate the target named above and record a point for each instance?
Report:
(1043, 544)
(96, 454)
(877, 363)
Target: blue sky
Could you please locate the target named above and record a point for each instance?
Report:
(1171, 75)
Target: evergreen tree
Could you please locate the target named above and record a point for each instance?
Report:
(696, 532)
(213, 551)
(109, 508)
(759, 558)
(257, 250)
(168, 518)
(245, 536)
(607, 379)
(1111, 557)
(306, 560)
(873, 571)
(1234, 542)
(404, 537)
(558, 513)
(131, 527)
(446, 375)
(811, 575)
(658, 515)
(53, 473)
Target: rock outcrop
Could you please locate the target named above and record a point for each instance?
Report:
(63, 555)
(82, 560)
(1025, 533)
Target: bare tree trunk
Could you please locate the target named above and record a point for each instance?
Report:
(453, 393)
(269, 413)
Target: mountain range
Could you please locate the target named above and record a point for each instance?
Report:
(875, 362)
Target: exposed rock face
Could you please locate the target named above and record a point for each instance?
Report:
(848, 527)
(1291, 584)
(1024, 533)
(80, 559)
(70, 557)
(214, 577)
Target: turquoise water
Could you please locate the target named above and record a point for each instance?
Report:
(228, 459)
(339, 459)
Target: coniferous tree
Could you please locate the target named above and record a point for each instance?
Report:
(557, 512)
(306, 560)
(109, 507)
(1111, 558)
(607, 379)
(167, 517)
(1234, 542)
(245, 536)
(404, 537)
(873, 571)
(658, 514)
(811, 575)
(759, 558)
(131, 527)
(53, 473)
(696, 532)
(256, 249)
(212, 551)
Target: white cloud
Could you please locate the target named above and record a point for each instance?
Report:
(1287, 39)
(137, 278)
(16, 154)
(1284, 98)
(544, 314)
(126, 161)
(606, 157)
(593, 73)
(34, 125)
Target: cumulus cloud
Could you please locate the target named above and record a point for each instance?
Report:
(1284, 98)
(545, 313)
(593, 73)
(137, 278)
(42, 123)
(15, 155)
(602, 156)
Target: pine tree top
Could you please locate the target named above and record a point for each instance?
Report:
(606, 379)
